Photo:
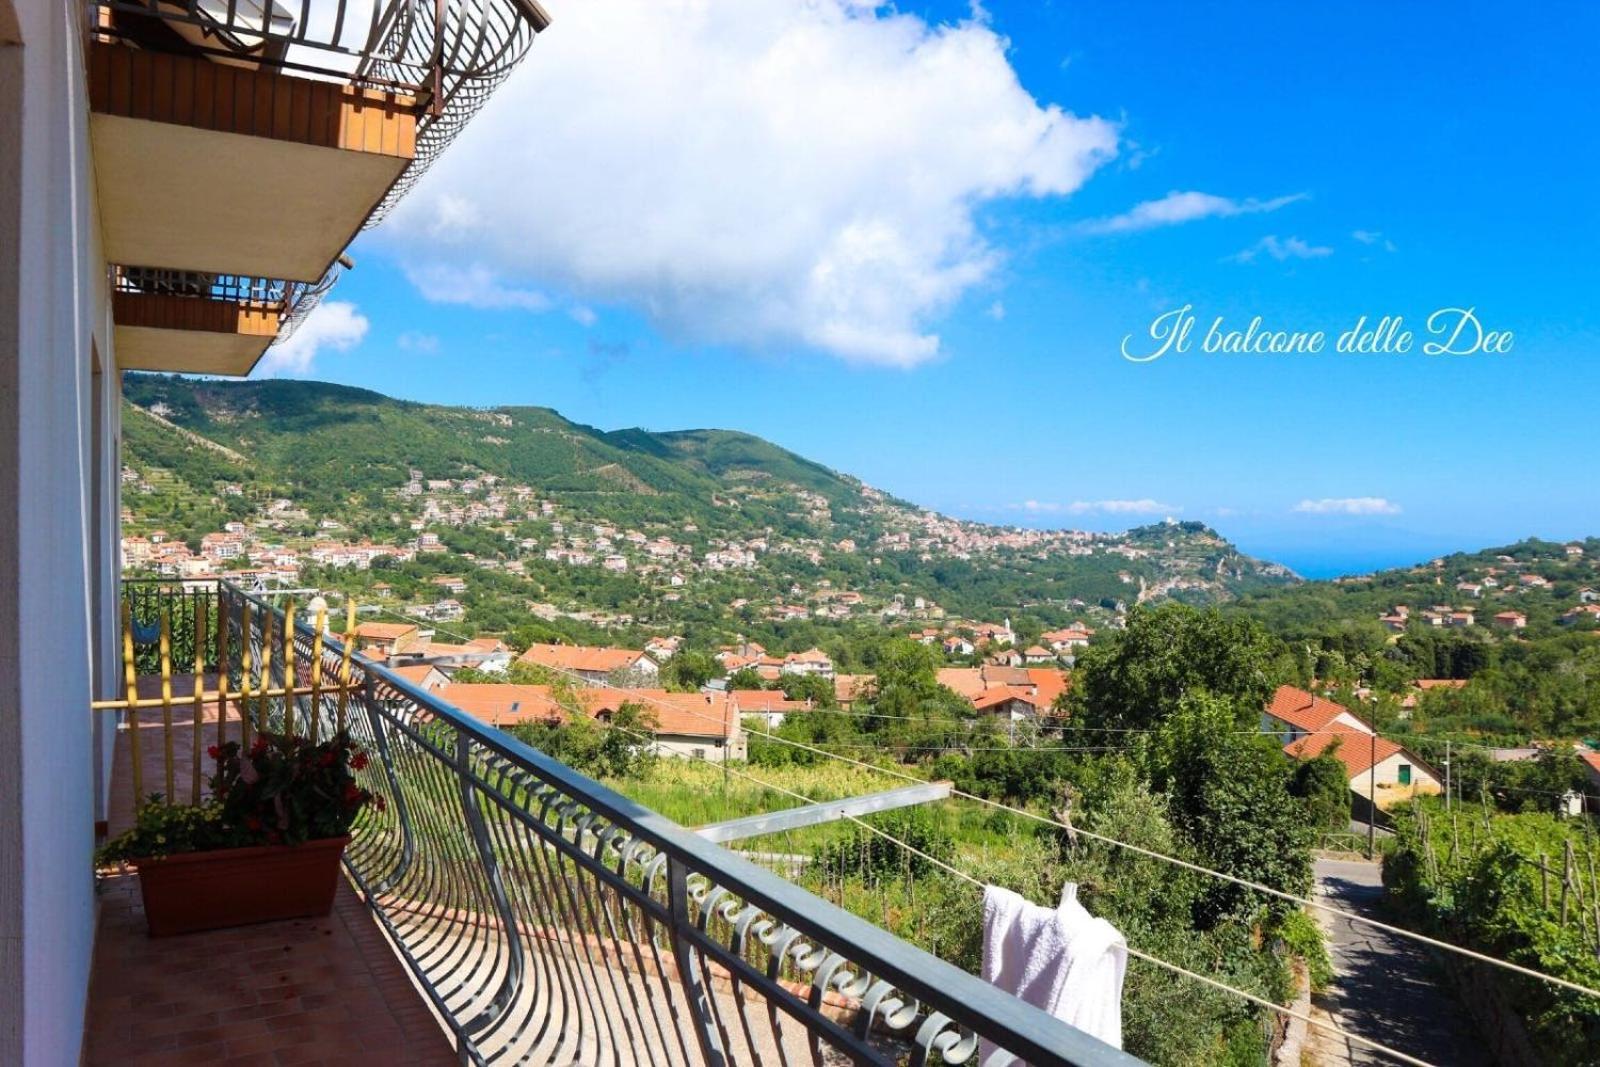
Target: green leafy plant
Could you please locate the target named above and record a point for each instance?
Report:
(1303, 937)
(281, 791)
(163, 829)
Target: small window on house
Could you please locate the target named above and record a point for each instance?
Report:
(699, 753)
(1405, 774)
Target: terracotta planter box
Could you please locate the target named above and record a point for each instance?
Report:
(237, 886)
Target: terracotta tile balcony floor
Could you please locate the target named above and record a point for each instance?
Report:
(299, 992)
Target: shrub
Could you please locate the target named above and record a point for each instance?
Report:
(282, 791)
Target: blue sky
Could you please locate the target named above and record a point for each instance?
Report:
(955, 338)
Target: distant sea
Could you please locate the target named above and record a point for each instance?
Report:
(1316, 563)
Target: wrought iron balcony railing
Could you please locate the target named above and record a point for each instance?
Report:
(449, 55)
(290, 301)
(550, 919)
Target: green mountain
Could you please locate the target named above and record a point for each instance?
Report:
(754, 530)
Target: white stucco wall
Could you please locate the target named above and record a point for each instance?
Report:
(52, 304)
(1387, 777)
(683, 746)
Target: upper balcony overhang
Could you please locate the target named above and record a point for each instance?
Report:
(195, 323)
(237, 139)
(209, 167)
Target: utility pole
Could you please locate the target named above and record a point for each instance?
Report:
(1372, 797)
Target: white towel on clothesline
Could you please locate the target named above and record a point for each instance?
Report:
(1062, 960)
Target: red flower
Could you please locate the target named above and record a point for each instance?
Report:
(352, 794)
(259, 747)
(329, 759)
(252, 824)
(379, 802)
(359, 761)
(214, 752)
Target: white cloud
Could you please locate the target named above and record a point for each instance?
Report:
(997, 311)
(752, 172)
(1181, 207)
(1280, 249)
(1373, 237)
(582, 315)
(1145, 506)
(474, 285)
(413, 341)
(335, 325)
(1348, 505)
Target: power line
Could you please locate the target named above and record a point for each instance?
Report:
(1132, 951)
(1199, 869)
(1195, 867)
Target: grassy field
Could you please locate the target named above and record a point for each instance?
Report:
(695, 793)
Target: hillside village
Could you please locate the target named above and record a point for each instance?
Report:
(706, 724)
(282, 546)
(1508, 583)
(467, 543)
(715, 722)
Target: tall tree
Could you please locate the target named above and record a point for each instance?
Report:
(1136, 679)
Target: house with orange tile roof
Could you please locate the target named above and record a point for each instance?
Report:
(956, 645)
(1015, 692)
(390, 638)
(1294, 713)
(425, 676)
(694, 725)
(505, 705)
(1075, 636)
(1310, 725)
(811, 661)
(689, 725)
(592, 663)
(1050, 685)
(967, 681)
(1371, 763)
(1009, 702)
(848, 688)
(1510, 620)
(1591, 765)
(770, 705)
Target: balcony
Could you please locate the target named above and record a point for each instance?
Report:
(197, 323)
(501, 908)
(239, 139)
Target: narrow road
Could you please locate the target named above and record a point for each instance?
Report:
(1386, 987)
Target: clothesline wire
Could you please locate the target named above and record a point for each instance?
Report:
(1195, 867)
(1349, 916)
(1280, 1009)
(1146, 956)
